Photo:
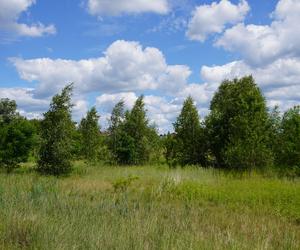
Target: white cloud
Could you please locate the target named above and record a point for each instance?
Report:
(117, 7)
(171, 24)
(80, 108)
(280, 80)
(290, 93)
(125, 66)
(10, 11)
(209, 19)
(162, 112)
(261, 44)
(106, 102)
(24, 98)
(125, 70)
(32, 107)
(201, 93)
(28, 106)
(281, 73)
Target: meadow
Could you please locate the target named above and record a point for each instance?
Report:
(149, 207)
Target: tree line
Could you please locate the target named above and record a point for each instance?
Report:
(238, 133)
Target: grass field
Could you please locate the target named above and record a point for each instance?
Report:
(148, 208)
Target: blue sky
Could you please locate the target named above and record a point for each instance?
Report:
(165, 49)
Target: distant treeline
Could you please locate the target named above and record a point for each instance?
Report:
(238, 133)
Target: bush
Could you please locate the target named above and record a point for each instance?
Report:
(17, 136)
(16, 142)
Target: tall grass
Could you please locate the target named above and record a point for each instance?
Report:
(148, 208)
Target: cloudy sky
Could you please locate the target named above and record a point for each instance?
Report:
(164, 49)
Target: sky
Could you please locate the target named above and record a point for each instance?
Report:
(163, 49)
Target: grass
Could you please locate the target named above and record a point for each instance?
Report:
(148, 208)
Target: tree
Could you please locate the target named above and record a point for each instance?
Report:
(131, 138)
(115, 135)
(17, 136)
(90, 135)
(136, 127)
(238, 125)
(56, 135)
(288, 153)
(189, 135)
(8, 110)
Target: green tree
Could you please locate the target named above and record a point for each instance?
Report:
(56, 135)
(238, 125)
(132, 139)
(115, 131)
(189, 135)
(136, 126)
(288, 153)
(90, 135)
(17, 136)
(8, 110)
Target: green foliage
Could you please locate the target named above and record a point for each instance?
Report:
(17, 136)
(238, 125)
(288, 153)
(8, 110)
(16, 142)
(90, 135)
(189, 135)
(169, 143)
(76, 151)
(56, 135)
(136, 127)
(274, 130)
(115, 138)
(155, 146)
(131, 139)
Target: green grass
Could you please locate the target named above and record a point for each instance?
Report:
(148, 208)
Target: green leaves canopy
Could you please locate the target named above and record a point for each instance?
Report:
(237, 125)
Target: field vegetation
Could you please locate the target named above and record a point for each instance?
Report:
(148, 207)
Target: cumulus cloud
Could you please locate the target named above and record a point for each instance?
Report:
(281, 73)
(201, 93)
(125, 66)
(107, 101)
(125, 70)
(117, 7)
(28, 106)
(209, 19)
(278, 80)
(32, 107)
(24, 98)
(10, 11)
(262, 44)
(80, 107)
